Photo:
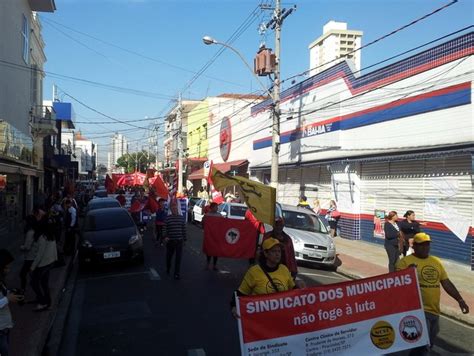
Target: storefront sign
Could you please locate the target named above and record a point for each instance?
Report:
(359, 317)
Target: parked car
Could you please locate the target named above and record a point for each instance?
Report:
(198, 210)
(109, 235)
(102, 204)
(191, 202)
(310, 236)
(100, 193)
(233, 210)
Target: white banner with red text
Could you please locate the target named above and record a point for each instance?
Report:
(376, 315)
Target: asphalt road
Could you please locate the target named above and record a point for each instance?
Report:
(138, 310)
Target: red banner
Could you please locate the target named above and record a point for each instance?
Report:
(229, 237)
(159, 185)
(368, 316)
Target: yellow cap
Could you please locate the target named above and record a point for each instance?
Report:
(421, 237)
(269, 243)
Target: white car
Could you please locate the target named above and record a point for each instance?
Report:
(233, 210)
(310, 236)
(198, 210)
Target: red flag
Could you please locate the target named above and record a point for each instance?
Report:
(151, 204)
(160, 187)
(216, 196)
(136, 207)
(109, 184)
(255, 222)
(229, 238)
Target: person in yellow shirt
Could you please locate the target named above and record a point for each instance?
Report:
(266, 277)
(431, 274)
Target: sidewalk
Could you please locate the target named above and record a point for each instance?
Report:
(361, 259)
(31, 329)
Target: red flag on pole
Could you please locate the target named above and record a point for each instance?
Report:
(109, 184)
(159, 185)
(151, 204)
(216, 195)
(229, 238)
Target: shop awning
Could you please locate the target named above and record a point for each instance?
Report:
(223, 167)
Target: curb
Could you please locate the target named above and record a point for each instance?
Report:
(451, 316)
(52, 341)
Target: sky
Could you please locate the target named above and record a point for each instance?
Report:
(128, 60)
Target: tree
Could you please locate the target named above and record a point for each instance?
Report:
(136, 161)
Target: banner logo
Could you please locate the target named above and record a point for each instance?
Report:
(232, 236)
(225, 138)
(410, 328)
(382, 335)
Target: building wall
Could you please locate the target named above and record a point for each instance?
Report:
(197, 140)
(399, 138)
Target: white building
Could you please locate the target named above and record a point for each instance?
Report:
(88, 155)
(24, 122)
(398, 138)
(118, 148)
(335, 44)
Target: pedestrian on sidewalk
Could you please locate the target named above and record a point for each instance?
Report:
(6, 297)
(269, 269)
(332, 216)
(212, 212)
(70, 225)
(409, 227)
(288, 250)
(30, 249)
(160, 218)
(44, 261)
(431, 274)
(392, 244)
(175, 236)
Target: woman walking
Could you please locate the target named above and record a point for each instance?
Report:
(409, 227)
(332, 216)
(392, 237)
(29, 248)
(43, 263)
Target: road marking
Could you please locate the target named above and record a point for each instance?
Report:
(322, 275)
(154, 276)
(196, 352)
(113, 276)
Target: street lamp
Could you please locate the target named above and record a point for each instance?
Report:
(208, 40)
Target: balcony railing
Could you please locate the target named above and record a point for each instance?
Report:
(43, 121)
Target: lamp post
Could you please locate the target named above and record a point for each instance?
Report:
(275, 96)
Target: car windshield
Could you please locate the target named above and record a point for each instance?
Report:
(301, 221)
(237, 210)
(115, 220)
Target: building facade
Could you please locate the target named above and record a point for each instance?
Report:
(24, 121)
(118, 148)
(336, 44)
(399, 138)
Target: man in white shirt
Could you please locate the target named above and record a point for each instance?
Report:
(70, 224)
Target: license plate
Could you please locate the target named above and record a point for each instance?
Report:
(314, 254)
(113, 254)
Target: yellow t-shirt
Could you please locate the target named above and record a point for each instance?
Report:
(430, 272)
(255, 281)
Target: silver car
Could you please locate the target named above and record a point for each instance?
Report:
(310, 236)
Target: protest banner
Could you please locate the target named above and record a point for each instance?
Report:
(229, 237)
(376, 315)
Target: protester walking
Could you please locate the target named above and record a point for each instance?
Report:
(202, 193)
(160, 218)
(43, 263)
(409, 227)
(288, 250)
(70, 225)
(269, 269)
(212, 212)
(332, 216)
(317, 207)
(303, 202)
(431, 274)
(393, 240)
(30, 249)
(6, 297)
(174, 237)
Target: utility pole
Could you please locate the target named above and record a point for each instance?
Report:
(180, 146)
(276, 101)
